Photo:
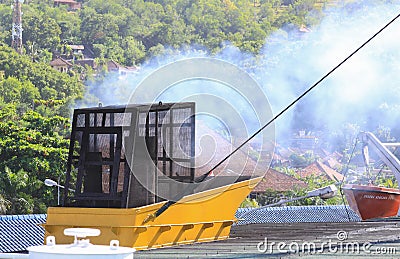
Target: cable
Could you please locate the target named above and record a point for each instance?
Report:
(302, 95)
(204, 176)
(344, 177)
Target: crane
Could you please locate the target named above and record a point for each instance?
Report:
(370, 140)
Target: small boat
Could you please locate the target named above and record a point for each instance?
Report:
(370, 201)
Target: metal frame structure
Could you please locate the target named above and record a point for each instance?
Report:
(16, 33)
(113, 147)
(381, 149)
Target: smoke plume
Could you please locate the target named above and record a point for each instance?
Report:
(364, 91)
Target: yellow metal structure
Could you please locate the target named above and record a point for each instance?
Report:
(200, 217)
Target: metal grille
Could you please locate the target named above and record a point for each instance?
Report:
(97, 167)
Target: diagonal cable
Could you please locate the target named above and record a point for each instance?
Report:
(204, 176)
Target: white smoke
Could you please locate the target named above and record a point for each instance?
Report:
(364, 91)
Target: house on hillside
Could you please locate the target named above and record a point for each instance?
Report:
(113, 66)
(321, 170)
(90, 62)
(72, 5)
(61, 65)
(76, 51)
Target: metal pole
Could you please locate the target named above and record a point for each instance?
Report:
(58, 190)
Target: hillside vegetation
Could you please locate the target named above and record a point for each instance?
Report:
(36, 100)
(129, 31)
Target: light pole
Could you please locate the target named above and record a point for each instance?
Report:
(50, 182)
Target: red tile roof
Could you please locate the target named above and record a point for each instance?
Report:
(71, 3)
(114, 66)
(319, 169)
(277, 181)
(66, 2)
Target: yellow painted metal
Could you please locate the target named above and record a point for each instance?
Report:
(200, 217)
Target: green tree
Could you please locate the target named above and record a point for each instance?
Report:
(64, 88)
(134, 51)
(41, 31)
(32, 148)
(5, 23)
(249, 203)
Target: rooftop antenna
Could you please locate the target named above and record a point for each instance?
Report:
(16, 33)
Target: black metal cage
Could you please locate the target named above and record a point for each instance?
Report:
(120, 155)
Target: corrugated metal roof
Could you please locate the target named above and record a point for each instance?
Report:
(293, 214)
(17, 232)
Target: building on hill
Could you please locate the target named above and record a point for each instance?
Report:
(61, 65)
(72, 5)
(77, 52)
(321, 170)
(113, 66)
(90, 62)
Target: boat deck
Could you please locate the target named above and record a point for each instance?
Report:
(308, 240)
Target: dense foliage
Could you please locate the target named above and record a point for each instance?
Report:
(35, 102)
(128, 31)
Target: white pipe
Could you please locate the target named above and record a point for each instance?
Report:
(324, 193)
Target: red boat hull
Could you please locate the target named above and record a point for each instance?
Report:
(370, 201)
